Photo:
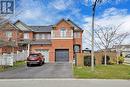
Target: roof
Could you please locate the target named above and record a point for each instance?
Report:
(41, 28)
(25, 27)
(76, 27)
(125, 46)
(44, 42)
(8, 22)
(19, 24)
(24, 41)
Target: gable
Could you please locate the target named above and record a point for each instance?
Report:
(22, 26)
(63, 24)
(8, 26)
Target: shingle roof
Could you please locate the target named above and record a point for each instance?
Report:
(22, 26)
(44, 42)
(41, 28)
(76, 27)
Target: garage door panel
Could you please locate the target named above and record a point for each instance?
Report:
(62, 55)
(45, 53)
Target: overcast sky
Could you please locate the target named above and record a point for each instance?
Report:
(48, 12)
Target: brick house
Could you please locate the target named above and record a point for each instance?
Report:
(9, 37)
(58, 43)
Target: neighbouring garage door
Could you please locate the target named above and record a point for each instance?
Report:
(45, 53)
(62, 55)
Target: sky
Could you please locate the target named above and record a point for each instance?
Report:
(48, 12)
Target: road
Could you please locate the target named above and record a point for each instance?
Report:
(63, 83)
(56, 70)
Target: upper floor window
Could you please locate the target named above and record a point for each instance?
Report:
(76, 34)
(26, 35)
(63, 32)
(42, 36)
(8, 34)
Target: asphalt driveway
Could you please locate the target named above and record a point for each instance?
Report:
(56, 70)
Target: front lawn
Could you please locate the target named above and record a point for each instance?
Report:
(16, 65)
(103, 72)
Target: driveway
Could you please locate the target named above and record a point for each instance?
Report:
(56, 70)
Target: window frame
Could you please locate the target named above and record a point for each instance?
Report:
(9, 35)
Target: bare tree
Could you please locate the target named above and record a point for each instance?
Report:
(107, 36)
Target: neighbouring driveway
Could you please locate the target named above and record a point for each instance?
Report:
(56, 70)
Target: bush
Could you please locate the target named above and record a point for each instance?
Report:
(111, 62)
(120, 59)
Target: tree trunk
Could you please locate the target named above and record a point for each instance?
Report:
(105, 60)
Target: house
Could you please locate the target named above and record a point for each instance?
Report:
(58, 43)
(9, 37)
(122, 49)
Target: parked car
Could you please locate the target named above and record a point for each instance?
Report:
(127, 58)
(35, 58)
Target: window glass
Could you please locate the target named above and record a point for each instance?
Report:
(8, 33)
(76, 48)
(63, 32)
(26, 35)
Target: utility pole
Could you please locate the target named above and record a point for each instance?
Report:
(94, 4)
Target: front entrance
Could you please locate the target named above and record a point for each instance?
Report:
(62, 55)
(45, 53)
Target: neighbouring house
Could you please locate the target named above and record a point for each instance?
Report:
(9, 37)
(58, 43)
(123, 50)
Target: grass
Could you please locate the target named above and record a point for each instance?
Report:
(16, 65)
(103, 72)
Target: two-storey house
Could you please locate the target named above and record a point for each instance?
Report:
(58, 42)
(9, 37)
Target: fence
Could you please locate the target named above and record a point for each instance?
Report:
(9, 59)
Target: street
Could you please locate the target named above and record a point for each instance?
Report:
(63, 83)
(56, 70)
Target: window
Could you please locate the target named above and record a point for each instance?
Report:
(42, 36)
(26, 35)
(8, 34)
(47, 36)
(76, 48)
(63, 32)
(76, 34)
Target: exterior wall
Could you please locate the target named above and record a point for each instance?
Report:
(78, 41)
(98, 57)
(63, 24)
(31, 35)
(63, 44)
(0, 50)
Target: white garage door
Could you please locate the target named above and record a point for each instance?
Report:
(45, 53)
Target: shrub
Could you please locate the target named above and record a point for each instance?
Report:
(111, 62)
(120, 59)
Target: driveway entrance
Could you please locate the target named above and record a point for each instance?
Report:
(56, 70)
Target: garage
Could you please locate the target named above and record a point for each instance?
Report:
(62, 55)
(45, 53)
